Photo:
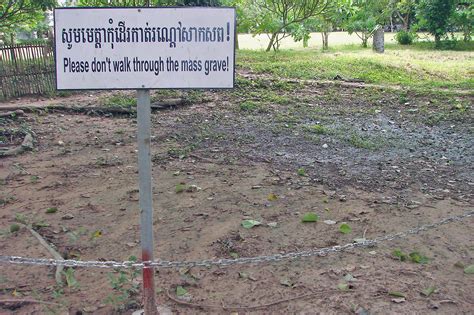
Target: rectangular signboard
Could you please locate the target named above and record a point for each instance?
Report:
(144, 48)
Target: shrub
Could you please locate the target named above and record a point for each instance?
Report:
(405, 37)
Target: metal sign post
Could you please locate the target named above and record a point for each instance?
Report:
(146, 197)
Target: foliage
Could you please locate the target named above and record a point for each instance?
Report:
(19, 13)
(367, 17)
(277, 17)
(463, 18)
(332, 18)
(152, 3)
(405, 37)
(434, 15)
(405, 11)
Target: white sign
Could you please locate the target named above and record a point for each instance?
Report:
(144, 48)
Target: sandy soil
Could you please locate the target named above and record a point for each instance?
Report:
(381, 165)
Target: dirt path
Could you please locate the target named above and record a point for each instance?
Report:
(378, 160)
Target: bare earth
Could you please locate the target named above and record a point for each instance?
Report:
(382, 165)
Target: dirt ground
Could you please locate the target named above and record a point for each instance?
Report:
(381, 160)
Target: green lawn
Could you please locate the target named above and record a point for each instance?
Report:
(414, 66)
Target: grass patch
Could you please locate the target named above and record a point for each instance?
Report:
(318, 129)
(118, 100)
(400, 65)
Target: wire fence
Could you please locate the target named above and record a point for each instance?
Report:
(26, 70)
(237, 261)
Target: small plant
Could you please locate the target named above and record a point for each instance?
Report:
(249, 106)
(119, 100)
(414, 257)
(405, 38)
(318, 129)
(14, 228)
(71, 280)
(21, 218)
(301, 171)
(125, 287)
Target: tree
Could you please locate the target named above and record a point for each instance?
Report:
(276, 17)
(463, 18)
(368, 16)
(335, 15)
(405, 11)
(16, 13)
(435, 16)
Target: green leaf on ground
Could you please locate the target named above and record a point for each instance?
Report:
(428, 291)
(272, 197)
(310, 217)
(180, 291)
(396, 294)
(469, 270)
(345, 228)
(52, 210)
(343, 286)
(180, 188)
(248, 224)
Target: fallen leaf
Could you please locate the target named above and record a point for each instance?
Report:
(345, 228)
(248, 224)
(51, 210)
(286, 282)
(428, 291)
(180, 188)
(180, 291)
(96, 234)
(310, 217)
(272, 197)
(343, 286)
(469, 270)
(396, 294)
(399, 300)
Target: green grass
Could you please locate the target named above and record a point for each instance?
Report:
(407, 66)
(118, 100)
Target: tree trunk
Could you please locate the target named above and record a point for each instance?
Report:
(378, 41)
(272, 40)
(437, 41)
(325, 36)
(365, 38)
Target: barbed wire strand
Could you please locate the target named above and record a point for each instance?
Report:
(18, 260)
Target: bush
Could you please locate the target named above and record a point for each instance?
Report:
(405, 38)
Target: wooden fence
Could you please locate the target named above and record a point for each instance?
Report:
(26, 70)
